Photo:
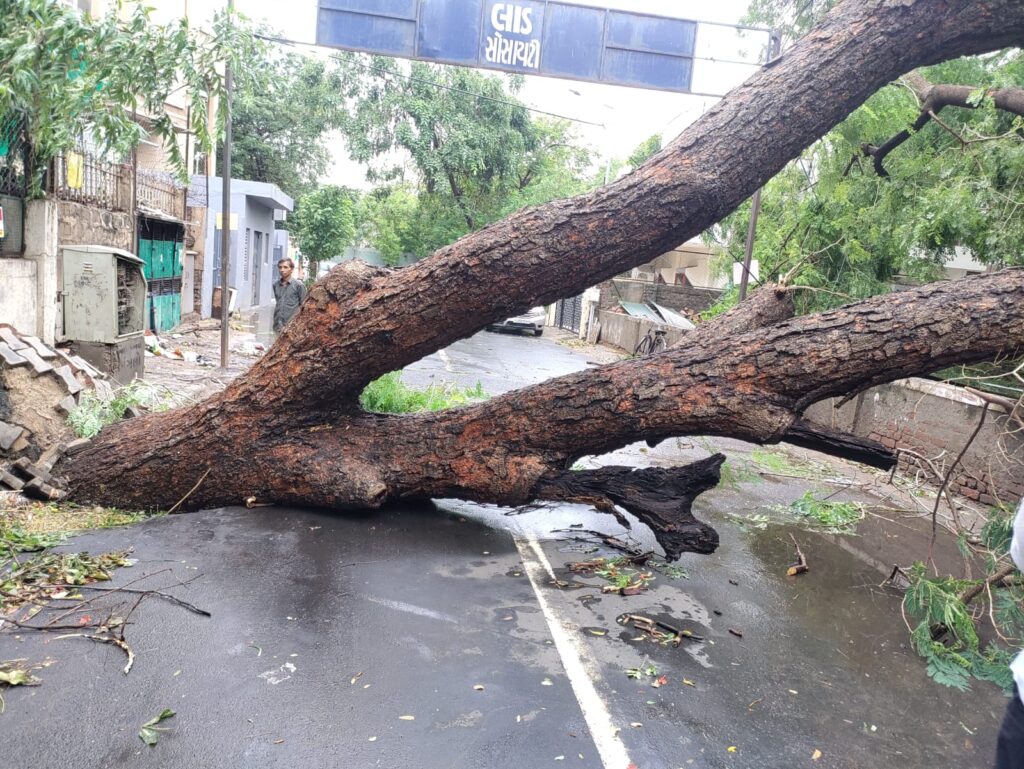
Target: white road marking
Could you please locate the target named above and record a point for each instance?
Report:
(580, 666)
(422, 611)
(446, 360)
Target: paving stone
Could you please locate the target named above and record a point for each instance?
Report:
(43, 350)
(11, 358)
(9, 434)
(40, 365)
(68, 404)
(68, 377)
(8, 335)
(10, 481)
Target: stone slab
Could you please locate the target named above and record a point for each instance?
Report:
(8, 335)
(40, 365)
(9, 434)
(43, 350)
(67, 376)
(68, 404)
(10, 481)
(11, 358)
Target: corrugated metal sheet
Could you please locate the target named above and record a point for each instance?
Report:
(640, 310)
(673, 318)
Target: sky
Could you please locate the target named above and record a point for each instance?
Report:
(625, 116)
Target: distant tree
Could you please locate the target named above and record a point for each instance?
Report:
(65, 75)
(475, 152)
(324, 224)
(644, 150)
(282, 119)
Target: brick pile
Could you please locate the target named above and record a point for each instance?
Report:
(25, 462)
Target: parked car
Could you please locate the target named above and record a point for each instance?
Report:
(531, 320)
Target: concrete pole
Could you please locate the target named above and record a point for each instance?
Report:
(225, 228)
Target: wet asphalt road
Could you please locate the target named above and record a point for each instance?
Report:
(328, 629)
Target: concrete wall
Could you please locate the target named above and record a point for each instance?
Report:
(625, 331)
(935, 420)
(18, 294)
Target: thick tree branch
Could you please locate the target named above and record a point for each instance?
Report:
(933, 99)
(542, 254)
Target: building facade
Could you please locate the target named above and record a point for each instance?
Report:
(256, 207)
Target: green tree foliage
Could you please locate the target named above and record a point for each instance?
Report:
(65, 76)
(474, 151)
(647, 148)
(281, 120)
(324, 224)
(954, 187)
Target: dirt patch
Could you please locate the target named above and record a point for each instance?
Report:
(32, 401)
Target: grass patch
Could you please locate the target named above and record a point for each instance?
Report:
(59, 518)
(732, 475)
(779, 463)
(390, 395)
(94, 413)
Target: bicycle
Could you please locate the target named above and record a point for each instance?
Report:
(653, 342)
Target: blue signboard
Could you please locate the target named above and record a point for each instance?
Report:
(536, 37)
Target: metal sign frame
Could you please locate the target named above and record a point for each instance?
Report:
(537, 37)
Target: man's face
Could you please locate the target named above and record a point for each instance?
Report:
(286, 271)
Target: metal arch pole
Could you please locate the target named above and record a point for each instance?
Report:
(225, 222)
(774, 49)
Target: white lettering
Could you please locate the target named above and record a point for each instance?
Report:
(502, 50)
(507, 17)
(527, 26)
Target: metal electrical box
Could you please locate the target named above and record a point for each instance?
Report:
(104, 294)
(105, 309)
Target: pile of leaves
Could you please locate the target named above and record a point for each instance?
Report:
(47, 576)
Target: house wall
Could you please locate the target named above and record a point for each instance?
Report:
(687, 300)
(933, 419)
(79, 224)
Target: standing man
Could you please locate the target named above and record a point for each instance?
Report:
(288, 294)
(1010, 748)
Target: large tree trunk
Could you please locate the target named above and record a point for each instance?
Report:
(291, 430)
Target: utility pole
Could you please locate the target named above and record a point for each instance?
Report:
(774, 49)
(225, 221)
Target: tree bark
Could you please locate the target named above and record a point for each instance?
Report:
(291, 430)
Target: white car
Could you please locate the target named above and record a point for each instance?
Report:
(531, 320)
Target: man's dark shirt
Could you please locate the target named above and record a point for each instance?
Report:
(288, 297)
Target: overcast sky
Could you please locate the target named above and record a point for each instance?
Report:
(626, 116)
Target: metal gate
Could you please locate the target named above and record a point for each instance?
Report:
(569, 313)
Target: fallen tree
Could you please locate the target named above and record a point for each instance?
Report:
(291, 430)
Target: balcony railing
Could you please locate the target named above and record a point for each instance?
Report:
(84, 178)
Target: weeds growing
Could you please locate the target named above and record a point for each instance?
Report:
(390, 395)
(94, 413)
